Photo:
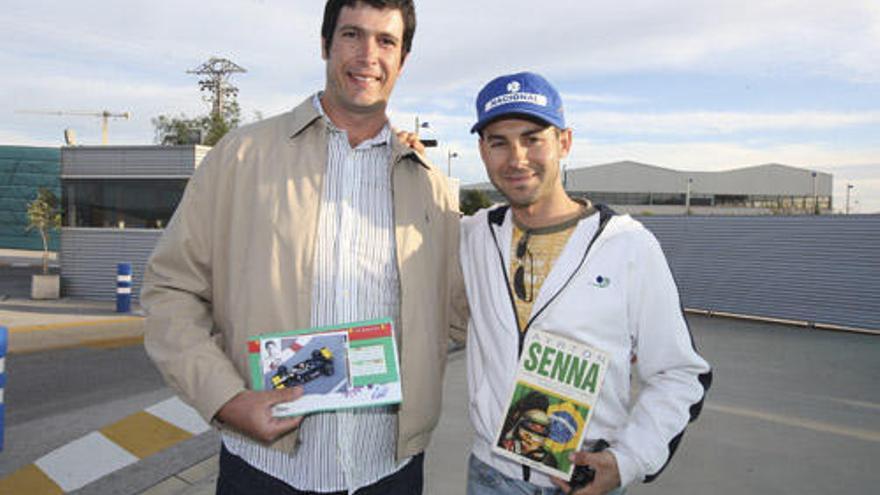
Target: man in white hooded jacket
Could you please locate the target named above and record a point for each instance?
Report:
(548, 261)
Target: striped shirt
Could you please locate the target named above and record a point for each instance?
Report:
(355, 279)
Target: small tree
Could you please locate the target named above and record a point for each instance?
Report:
(473, 200)
(44, 215)
(205, 129)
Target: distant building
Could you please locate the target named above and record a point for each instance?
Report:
(117, 200)
(637, 188)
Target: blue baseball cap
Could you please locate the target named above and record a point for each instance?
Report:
(523, 93)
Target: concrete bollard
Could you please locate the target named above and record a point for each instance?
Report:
(4, 338)
(123, 288)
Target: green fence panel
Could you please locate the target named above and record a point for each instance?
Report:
(23, 171)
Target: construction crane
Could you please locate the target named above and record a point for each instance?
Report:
(105, 115)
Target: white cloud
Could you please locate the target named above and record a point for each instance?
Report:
(132, 56)
(576, 39)
(600, 99)
(691, 123)
(722, 155)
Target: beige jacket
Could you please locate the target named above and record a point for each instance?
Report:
(236, 260)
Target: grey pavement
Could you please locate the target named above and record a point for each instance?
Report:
(445, 459)
(792, 411)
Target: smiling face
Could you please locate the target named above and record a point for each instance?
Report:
(363, 61)
(522, 159)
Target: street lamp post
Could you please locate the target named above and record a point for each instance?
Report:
(815, 195)
(449, 156)
(427, 143)
(687, 197)
(421, 125)
(848, 188)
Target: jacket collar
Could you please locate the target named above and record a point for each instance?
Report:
(497, 215)
(305, 114)
(302, 117)
(400, 151)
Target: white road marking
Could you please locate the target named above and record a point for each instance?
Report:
(858, 433)
(84, 460)
(176, 412)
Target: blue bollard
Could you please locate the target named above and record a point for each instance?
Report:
(4, 336)
(123, 288)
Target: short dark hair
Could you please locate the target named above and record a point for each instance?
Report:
(406, 8)
(523, 116)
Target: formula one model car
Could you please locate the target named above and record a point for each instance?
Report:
(321, 363)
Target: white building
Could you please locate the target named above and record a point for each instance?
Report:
(117, 200)
(637, 188)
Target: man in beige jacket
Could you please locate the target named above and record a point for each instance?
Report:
(314, 217)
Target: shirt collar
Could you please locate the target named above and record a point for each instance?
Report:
(306, 113)
(383, 138)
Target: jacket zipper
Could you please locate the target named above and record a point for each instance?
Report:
(605, 215)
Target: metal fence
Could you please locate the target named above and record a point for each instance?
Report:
(89, 259)
(816, 269)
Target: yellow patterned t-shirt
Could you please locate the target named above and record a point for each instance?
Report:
(540, 253)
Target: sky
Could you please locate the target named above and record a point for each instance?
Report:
(683, 84)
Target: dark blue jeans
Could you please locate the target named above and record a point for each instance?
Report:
(240, 478)
(483, 479)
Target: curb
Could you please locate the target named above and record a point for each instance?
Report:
(111, 331)
(102, 453)
(27, 264)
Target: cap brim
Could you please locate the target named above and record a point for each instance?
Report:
(535, 117)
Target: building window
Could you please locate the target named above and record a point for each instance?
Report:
(618, 198)
(121, 203)
(668, 199)
(731, 200)
(702, 200)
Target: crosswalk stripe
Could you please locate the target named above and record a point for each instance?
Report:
(30, 480)
(102, 452)
(84, 460)
(143, 434)
(176, 412)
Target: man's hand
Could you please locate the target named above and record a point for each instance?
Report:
(607, 475)
(251, 413)
(411, 140)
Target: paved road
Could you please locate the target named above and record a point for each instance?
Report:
(792, 411)
(57, 396)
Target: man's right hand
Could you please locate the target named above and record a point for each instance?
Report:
(250, 413)
(607, 475)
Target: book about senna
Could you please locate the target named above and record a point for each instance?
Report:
(339, 367)
(555, 389)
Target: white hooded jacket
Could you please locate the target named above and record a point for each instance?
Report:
(617, 295)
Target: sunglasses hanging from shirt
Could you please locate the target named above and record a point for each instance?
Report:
(526, 292)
